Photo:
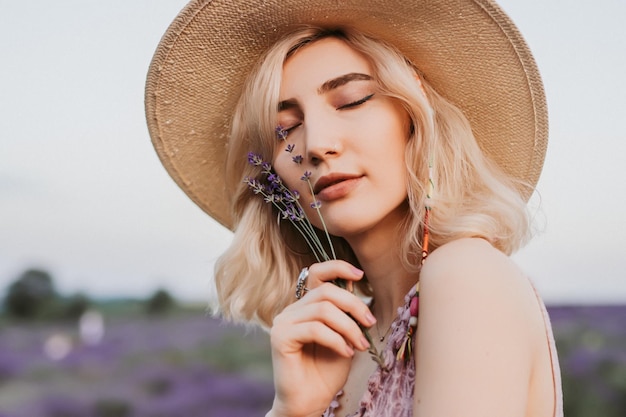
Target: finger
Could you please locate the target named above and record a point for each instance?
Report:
(334, 318)
(307, 333)
(319, 273)
(331, 270)
(342, 299)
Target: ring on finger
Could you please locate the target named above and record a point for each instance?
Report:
(301, 288)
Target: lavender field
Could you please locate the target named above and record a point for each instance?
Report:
(184, 364)
(187, 364)
(592, 350)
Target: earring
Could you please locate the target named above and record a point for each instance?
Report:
(405, 352)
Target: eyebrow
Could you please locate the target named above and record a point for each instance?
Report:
(328, 86)
(342, 80)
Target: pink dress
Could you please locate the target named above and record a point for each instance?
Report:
(390, 394)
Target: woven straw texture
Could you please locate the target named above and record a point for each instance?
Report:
(468, 50)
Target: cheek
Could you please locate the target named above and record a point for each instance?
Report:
(289, 171)
(395, 136)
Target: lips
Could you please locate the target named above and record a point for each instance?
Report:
(330, 181)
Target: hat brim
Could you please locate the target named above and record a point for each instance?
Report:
(468, 50)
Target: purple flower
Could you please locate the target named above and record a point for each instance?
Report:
(254, 185)
(290, 147)
(291, 196)
(316, 204)
(271, 188)
(274, 191)
(281, 133)
(297, 159)
(274, 179)
(254, 159)
(294, 213)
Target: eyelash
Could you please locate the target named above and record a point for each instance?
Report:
(356, 103)
(292, 128)
(343, 107)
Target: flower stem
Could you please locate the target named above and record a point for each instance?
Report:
(319, 213)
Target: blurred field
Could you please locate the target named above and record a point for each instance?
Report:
(592, 348)
(182, 364)
(185, 364)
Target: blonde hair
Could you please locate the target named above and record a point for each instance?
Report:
(255, 277)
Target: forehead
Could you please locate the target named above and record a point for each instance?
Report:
(320, 61)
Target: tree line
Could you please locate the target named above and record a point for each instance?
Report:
(33, 296)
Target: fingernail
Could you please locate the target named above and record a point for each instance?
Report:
(370, 318)
(356, 271)
(349, 351)
(364, 342)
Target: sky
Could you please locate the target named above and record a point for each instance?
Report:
(84, 196)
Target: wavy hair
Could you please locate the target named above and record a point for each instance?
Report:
(255, 277)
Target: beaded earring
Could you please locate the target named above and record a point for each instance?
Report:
(406, 348)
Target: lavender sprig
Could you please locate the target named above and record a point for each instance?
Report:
(287, 202)
(316, 204)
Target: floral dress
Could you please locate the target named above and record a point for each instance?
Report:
(389, 392)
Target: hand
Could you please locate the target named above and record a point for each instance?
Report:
(313, 341)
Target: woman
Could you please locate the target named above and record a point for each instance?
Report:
(422, 200)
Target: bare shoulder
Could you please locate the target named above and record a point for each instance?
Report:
(473, 274)
(470, 259)
(468, 255)
(479, 311)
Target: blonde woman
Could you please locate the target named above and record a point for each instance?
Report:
(410, 136)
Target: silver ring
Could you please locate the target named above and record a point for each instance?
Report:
(301, 288)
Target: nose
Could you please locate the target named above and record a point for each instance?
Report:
(322, 141)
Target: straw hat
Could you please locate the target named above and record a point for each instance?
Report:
(469, 50)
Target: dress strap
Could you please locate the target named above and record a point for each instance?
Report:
(554, 359)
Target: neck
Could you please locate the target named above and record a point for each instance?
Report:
(389, 279)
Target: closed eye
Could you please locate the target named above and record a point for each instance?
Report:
(355, 103)
(288, 130)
